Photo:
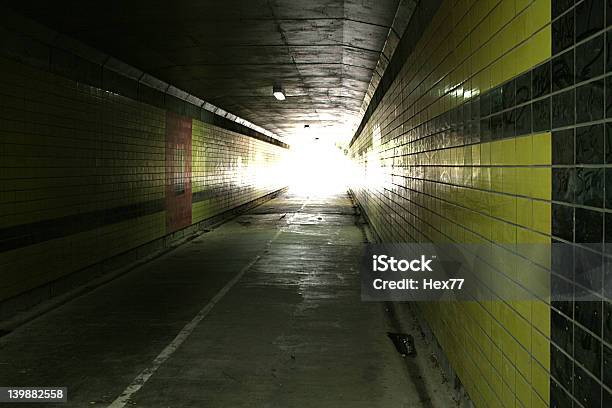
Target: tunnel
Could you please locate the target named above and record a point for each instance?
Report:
(306, 203)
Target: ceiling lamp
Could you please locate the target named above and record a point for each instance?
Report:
(278, 92)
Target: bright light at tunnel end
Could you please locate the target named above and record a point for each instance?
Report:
(317, 166)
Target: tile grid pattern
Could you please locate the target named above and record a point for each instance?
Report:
(581, 331)
(70, 151)
(227, 174)
(438, 166)
(565, 94)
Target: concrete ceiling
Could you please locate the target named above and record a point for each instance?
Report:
(231, 52)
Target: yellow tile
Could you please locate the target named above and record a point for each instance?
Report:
(510, 346)
(541, 183)
(485, 154)
(497, 384)
(509, 373)
(542, 149)
(497, 180)
(537, 401)
(476, 154)
(542, 217)
(510, 65)
(522, 332)
(540, 380)
(524, 150)
(523, 58)
(521, 5)
(541, 45)
(524, 211)
(508, 397)
(523, 176)
(486, 73)
(539, 14)
(510, 180)
(509, 151)
(497, 74)
(540, 348)
(508, 9)
(523, 365)
(497, 152)
(506, 39)
(510, 229)
(497, 18)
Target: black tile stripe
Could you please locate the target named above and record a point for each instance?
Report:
(36, 232)
(581, 103)
(208, 194)
(571, 96)
(22, 235)
(420, 20)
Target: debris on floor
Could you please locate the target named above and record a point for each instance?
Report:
(404, 343)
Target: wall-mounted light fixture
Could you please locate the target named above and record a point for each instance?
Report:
(278, 92)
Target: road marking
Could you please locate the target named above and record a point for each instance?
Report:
(124, 398)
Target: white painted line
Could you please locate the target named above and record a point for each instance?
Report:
(122, 400)
(145, 374)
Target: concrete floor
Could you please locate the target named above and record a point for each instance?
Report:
(288, 328)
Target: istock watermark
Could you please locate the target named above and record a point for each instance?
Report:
(382, 263)
(407, 272)
(480, 272)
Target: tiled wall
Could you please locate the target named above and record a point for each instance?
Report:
(230, 169)
(83, 175)
(581, 331)
(493, 133)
